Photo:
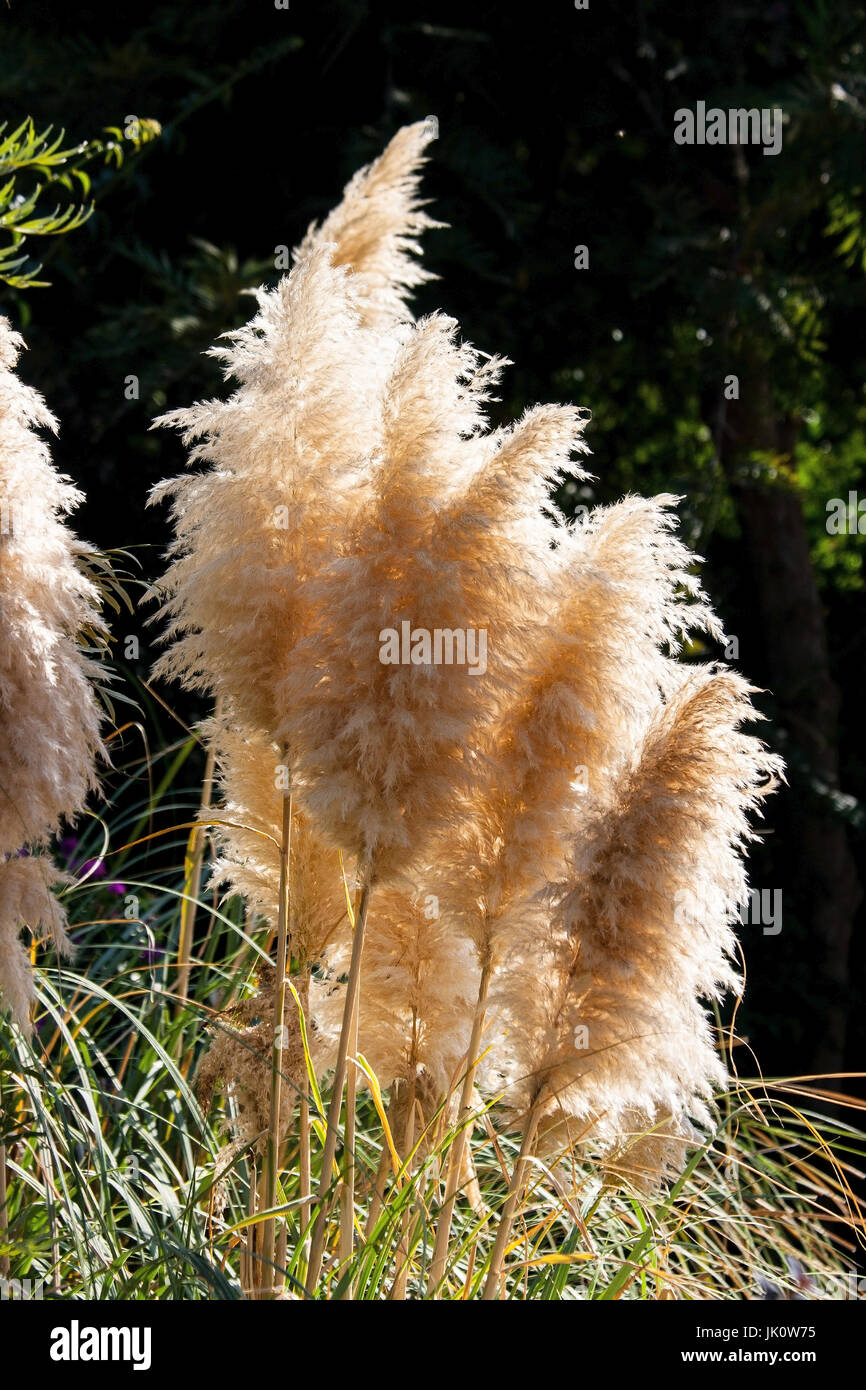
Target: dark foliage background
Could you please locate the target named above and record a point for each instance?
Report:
(556, 130)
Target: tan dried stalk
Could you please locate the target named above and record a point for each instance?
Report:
(347, 1187)
(192, 886)
(398, 1288)
(493, 1282)
(319, 1233)
(4, 1198)
(304, 1129)
(269, 860)
(272, 1151)
(419, 985)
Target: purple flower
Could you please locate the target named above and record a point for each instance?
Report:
(805, 1285)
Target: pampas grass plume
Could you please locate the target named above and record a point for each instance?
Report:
(374, 231)
(50, 717)
(384, 749)
(419, 989)
(283, 454)
(642, 929)
(247, 839)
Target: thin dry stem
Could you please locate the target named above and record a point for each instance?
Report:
(493, 1283)
(347, 1190)
(4, 1216)
(378, 1197)
(4, 1212)
(304, 1129)
(248, 1262)
(189, 902)
(273, 1145)
(320, 1226)
(398, 1291)
(458, 1148)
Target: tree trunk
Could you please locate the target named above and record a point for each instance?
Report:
(791, 618)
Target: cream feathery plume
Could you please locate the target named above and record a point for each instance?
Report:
(26, 898)
(624, 597)
(591, 685)
(286, 454)
(50, 716)
(455, 539)
(385, 736)
(655, 1153)
(290, 449)
(607, 1024)
(374, 231)
(607, 1034)
(419, 989)
(247, 837)
(240, 1057)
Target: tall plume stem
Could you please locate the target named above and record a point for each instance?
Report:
(347, 1189)
(398, 1289)
(493, 1283)
(249, 1263)
(320, 1226)
(273, 1144)
(304, 1171)
(458, 1148)
(378, 1196)
(4, 1214)
(192, 885)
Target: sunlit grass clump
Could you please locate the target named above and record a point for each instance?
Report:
(121, 1185)
(447, 1022)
